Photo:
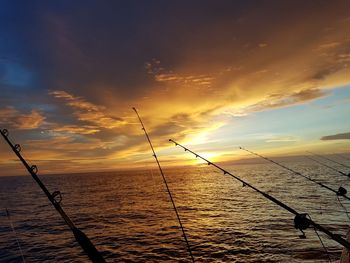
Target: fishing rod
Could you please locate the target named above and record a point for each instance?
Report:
(330, 167)
(166, 185)
(326, 158)
(302, 221)
(55, 198)
(340, 192)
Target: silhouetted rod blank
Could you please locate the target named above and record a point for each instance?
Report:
(55, 199)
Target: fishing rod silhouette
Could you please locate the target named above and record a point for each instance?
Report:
(302, 221)
(340, 192)
(55, 198)
(328, 159)
(330, 167)
(166, 185)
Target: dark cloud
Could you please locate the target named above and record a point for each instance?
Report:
(339, 136)
(87, 45)
(307, 95)
(71, 71)
(284, 100)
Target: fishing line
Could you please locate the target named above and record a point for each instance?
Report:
(166, 185)
(15, 233)
(301, 221)
(55, 198)
(331, 160)
(330, 167)
(340, 192)
(323, 245)
(344, 208)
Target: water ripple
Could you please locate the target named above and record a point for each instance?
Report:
(129, 218)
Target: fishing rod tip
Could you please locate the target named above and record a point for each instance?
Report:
(176, 144)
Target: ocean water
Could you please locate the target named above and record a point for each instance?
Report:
(129, 217)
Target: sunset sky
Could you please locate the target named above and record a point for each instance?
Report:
(272, 76)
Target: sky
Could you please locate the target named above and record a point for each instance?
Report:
(272, 76)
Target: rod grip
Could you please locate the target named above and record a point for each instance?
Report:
(87, 246)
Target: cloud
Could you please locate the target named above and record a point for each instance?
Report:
(75, 129)
(10, 117)
(307, 95)
(339, 136)
(209, 61)
(162, 75)
(274, 101)
(87, 112)
(327, 46)
(343, 58)
(262, 45)
(75, 102)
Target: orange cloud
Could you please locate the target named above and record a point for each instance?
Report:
(10, 117)
(194, 85)
(76, 129)
(162, 75)
(89, 113)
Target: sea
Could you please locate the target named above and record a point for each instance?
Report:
(129, 217)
